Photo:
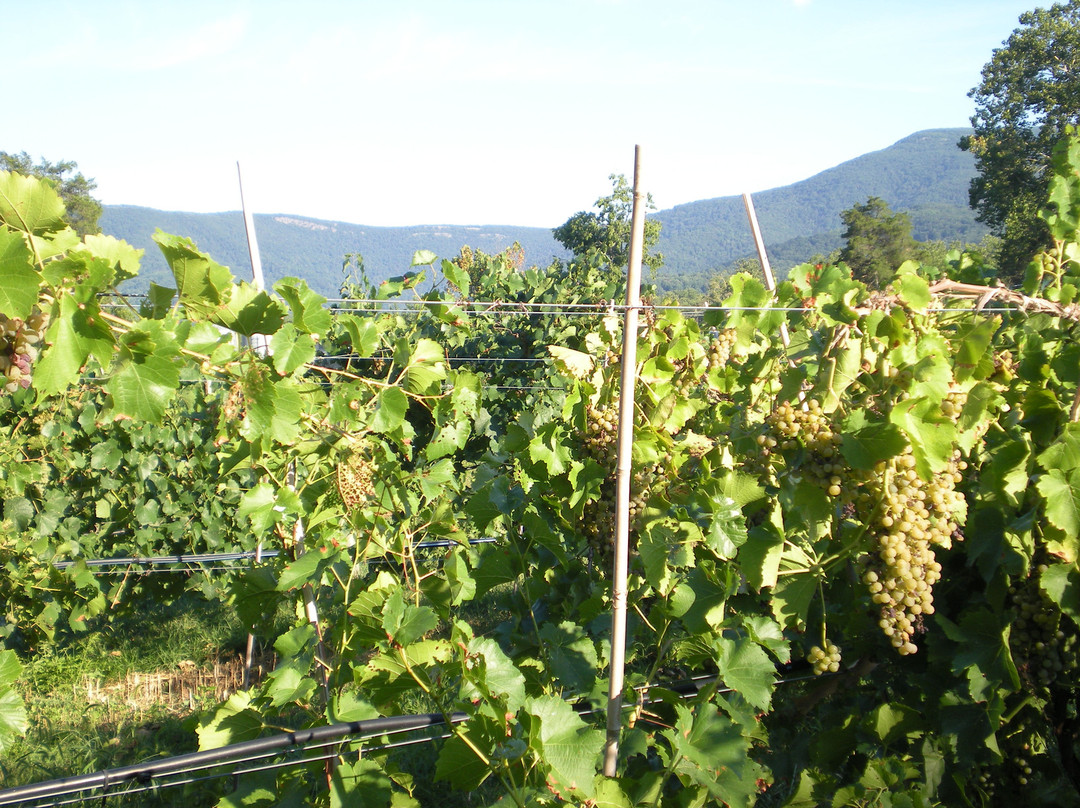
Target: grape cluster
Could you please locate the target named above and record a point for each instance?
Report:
(807, 426)
(354, 480)
(1042, 643)
(824, 660)
(913, 517)
(20, 344)
(953, 404)
(720, 349)
(598, 515)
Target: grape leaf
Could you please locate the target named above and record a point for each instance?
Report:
(19, 281)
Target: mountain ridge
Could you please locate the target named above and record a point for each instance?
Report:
(924, 174)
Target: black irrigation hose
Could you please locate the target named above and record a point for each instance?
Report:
(214, 558)
(250, 751)
(144, 772)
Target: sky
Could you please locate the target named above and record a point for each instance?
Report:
(478, 112)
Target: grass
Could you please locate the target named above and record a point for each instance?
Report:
(133, 690)
(124, 693)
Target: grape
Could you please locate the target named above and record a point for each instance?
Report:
(20, 344)
(1043, 644)
(824, 660)
(794, 427)
(914, 516)
(598, 515)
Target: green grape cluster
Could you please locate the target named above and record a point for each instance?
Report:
(1043, 644)
(953, 404)
(824, 660)
(20, 344)
(720, 349)
(598, 515)
(807, 426)
(914, 516)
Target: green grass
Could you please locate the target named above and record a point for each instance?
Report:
(102, 699)
(91, 705)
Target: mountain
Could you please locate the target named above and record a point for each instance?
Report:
(312, 249)
(925, 174)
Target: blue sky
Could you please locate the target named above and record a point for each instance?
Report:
(478, 111)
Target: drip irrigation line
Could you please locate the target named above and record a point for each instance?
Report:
(317, 738)
(212, 558)
(198, 761)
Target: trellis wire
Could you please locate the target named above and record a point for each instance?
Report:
(245, 555)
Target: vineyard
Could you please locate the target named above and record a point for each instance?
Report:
(854, 516)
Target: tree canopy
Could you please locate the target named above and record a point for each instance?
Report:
(877, 241)
(607, 230)
(83, 211)
(1029, 93)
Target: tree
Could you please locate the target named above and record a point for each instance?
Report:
(607, 231)
(1030, 90)
(83, 211)
(877, 241)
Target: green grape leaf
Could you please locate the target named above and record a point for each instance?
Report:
(711, 750)
(30, 205)
(203, 284)
(972, 358)
(457, 276)
(569, 747)
(1061, 491)
(19, 281)
(142, 388)
(667, 545)
(273, 410)
(390, 407)
(746, 668)
(232, 722)
(459, 765)
(462, 585)
(424, 364)
(309, 314)
(982, 655)
(363, 333)
(405, 623)
(492, 674)
(308, 568)
(13, 718)
(912, 289)
(791, 599)
(865, 443)
(362, 783)
(571, 655)
(932, 436)
(760, 557)
(249, 311)
(1061, 583)
(1064, 453)
(768, 634)
(120, 255)
(291, 349)
(707, 605)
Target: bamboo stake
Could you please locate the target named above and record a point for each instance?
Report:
(763, 257)
(261, 348)
(623, 472)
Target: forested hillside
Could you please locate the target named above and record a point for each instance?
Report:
(312, 249)
(925, 175)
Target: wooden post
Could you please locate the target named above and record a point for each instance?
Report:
(623, 472)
